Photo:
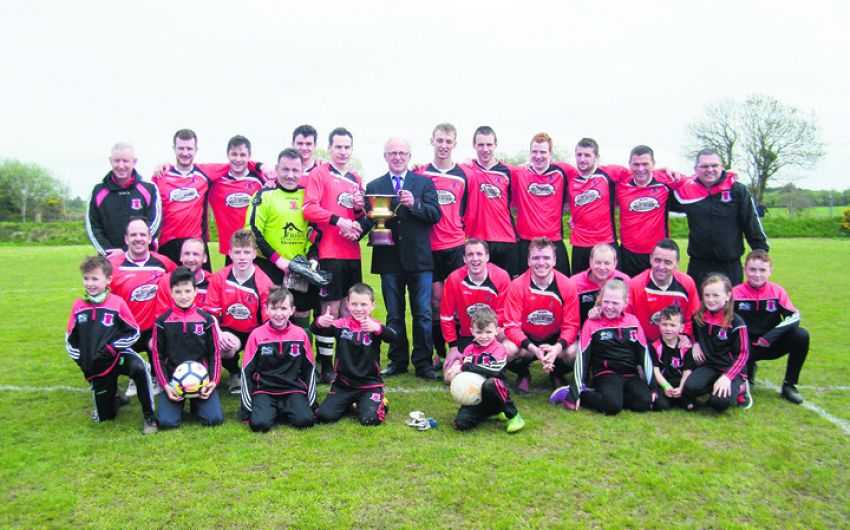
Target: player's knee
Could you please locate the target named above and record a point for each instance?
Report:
(661, 403)
(165, 424)
(324, 416)
(462, 425)
(640, 403)
(801, 336)
(611, 407)
(303, 421)
(371, 420)
(260, 425)
(719, 404)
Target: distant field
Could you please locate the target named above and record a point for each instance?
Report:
(775, 466)
(817, 211)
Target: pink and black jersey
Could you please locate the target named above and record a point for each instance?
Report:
(278, 362)
(488, 361)
(163, 292)
(672, 362)
(238, 306)
(184, 203)
(327, 198)
(138, 283)
(767, 310)
(588, 289)
(181, 335)
(591, 200)
(646, 300)
(643, 214)
(539, 199)
(357, 361)
(537, 314)
(488, 214)
(451, 195)
(725, 347)
(462, 297)
(229, 199)
(98, 332)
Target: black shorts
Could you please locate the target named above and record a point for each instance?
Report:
(346, 272)
(505, 254)
(632, 263)
(447, 261)
(241, 335)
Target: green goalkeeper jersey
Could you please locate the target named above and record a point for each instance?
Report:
(276, 219)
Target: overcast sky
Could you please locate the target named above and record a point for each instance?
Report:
(79, 76)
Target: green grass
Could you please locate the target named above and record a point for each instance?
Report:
(814, 211)
(775, 466)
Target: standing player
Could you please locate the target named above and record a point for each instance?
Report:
(120, 197)
(541, 317)
(193, 258)
(477, 284)
(447, 235)
(488, 209)
(333, 200)
(540, 198)
(773, 323)
(304, 139)
(603, 267)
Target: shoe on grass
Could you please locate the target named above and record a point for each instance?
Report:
(560, 395)
(234, 384)
(501, 416)
(523, 383)
(149, 426)
(745, 397)
(131, 389)
(789, 392)
(515, 424)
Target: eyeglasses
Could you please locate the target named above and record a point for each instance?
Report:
(399, 154)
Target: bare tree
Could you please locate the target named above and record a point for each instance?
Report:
(762, 134)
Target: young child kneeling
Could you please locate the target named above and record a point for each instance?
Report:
(277, 373)
(100, 331)
(186, 333)
(487, 357)
(357, 370)
(673, 362)
(612, 349)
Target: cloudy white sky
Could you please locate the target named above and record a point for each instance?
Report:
(79, 76)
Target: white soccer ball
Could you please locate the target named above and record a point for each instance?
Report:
(190, 378)
(466, 388)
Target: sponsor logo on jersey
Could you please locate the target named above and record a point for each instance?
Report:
(644, 204)
(199, 329)
(82, 318)
(722, 334)
(470, 310)
(490, 191)
(445, 197)
(239, 312)
(143, 293)
(606, 335)
(294, 350)
(541, 317)
(345, 199)
(136, 204)
(587, 197)
(676, 362)
(366, 338)
(541, 190)
(744, 306)
(770, 306)
(726, 196)
(588, 298)
(633, 336)
(237, 200)
(655, 318)
(266, 351)
(108, 319)
(183, 194)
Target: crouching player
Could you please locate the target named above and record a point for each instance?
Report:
(773, 323)
(357, 370)
(277, 373)
(612, 349)
(721, 348)
(487, 357)
(186, 333)
(101, 330)
(673, 360)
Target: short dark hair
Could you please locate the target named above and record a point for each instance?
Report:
(185, 134)
(289, 152)
(485, 130)
(238, 140)
(181, 275)
(362, 288)
(668, 244)
(707, 152)
(96, 262)
(589, 143)
(671, 311)
(279, 295)
(339, 131)
(539, 243)
(305, 131)
(640, 150)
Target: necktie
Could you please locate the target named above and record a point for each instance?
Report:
(398, 184)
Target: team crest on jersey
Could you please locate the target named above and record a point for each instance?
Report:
(644, 204)
(588, 298)
(676, 362)
(199, 329)
(541, 190)
(82, 318)
(445, 197)
(541, 317)
(239, 312)
(770, 306)
(722, 334)
(366, 338)
(183, 194)
(376, 397)
(606, 335)
(633, 336)
(726, 196)
(587, 197)
(345, 199)
(136, 204)
(744, 306)
(293, 205)
(266, 351)
(294, 350)
(250, 298)
(143, 293)
(108, 320)
(490, 191)
(237, 200)
(470, 310)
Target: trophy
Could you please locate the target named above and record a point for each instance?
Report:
(381, 236)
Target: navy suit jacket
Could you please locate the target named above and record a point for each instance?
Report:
(411, 227)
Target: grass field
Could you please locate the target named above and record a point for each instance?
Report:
(774, 466)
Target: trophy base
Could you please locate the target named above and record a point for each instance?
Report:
(381, 238)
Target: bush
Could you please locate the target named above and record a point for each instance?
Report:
(845, 220)
(782, 227)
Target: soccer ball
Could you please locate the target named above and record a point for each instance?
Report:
(466, 388)
(190, 378)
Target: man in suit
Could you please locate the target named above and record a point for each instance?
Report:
(408, 263)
